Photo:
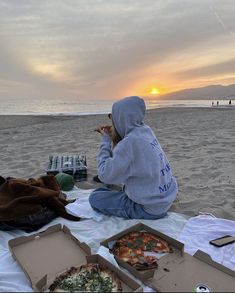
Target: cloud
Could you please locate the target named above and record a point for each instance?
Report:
(220, 68)
(100, 47)
(18, 79)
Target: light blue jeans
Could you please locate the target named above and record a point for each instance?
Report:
(117, 203)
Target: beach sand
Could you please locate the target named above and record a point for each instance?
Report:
(199, 143)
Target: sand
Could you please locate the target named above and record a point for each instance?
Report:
(199, 143)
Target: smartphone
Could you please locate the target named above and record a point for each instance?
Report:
(225, 240)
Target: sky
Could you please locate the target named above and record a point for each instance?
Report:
(106, 49)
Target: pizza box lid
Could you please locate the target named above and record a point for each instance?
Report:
(186, 273)
(143, 275)
(46, 254)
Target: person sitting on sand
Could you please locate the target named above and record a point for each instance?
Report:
(136, 161)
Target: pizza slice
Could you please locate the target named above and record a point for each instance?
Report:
(135, 257)
(87, 278)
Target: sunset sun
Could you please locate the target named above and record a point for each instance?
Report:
(154, 91)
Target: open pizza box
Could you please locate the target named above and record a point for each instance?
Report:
(179, 271)
(45, 255)
(146, 274)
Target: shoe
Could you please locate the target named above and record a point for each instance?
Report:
(96, 179)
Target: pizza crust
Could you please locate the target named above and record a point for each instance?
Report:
(86, 278)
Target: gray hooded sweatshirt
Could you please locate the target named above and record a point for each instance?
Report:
(138, 161)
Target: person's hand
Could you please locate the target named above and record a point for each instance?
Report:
(104, 129)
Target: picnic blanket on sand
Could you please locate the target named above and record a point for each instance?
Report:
(91, 230)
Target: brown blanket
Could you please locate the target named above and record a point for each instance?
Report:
(20, 197)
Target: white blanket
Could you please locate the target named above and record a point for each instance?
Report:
(197, 233)
(81, 207)
(13, 279)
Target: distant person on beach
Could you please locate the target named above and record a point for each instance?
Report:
(217, 103)
(212, 104)
(230, 102)
(137, 162)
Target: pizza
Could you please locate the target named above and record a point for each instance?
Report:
(86, 278)
(133, 248)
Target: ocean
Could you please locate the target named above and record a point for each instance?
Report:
(72, 107)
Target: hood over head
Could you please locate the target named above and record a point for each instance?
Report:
(127, 114)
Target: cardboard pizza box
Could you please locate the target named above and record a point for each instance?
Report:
(177, 246)
(198, 273)
(45, 255)
(179, 271)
